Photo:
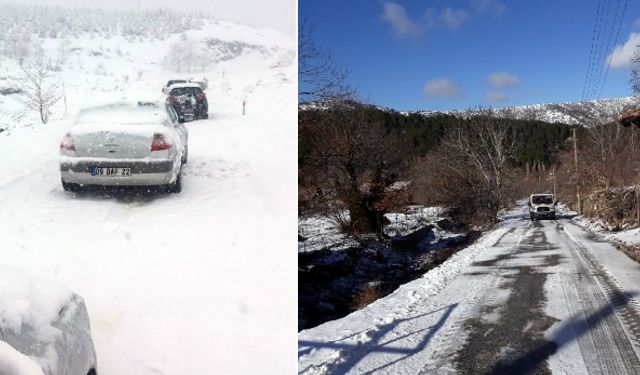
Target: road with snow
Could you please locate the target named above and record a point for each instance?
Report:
(543, 297)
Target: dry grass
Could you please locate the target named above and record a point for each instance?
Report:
(365, 296)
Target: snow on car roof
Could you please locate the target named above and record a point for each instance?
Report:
(123, 113)
(183, 85)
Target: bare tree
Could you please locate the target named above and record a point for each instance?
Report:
(186, 55)
(347, 152)
(318, 76)
(473, 159)
(38, 93)
(635, 73)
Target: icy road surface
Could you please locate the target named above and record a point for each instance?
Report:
(543, 297)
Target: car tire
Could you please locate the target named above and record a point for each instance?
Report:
(205, 116)
(553, 217)
(185, 156)
(531, 217)
(176, 186)
(67, 186)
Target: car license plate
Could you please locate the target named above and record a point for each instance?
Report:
(110, 172)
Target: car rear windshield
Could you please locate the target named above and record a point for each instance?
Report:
(186, 91)
(542, 199)
(176, 81)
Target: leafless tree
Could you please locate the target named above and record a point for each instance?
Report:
(318, 76)
(635, 73)
(473, 160)
(186, 55)
(349, 153)
(39, 94)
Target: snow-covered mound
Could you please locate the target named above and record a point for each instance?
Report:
(12, 362)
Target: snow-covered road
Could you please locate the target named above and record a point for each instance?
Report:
(528, 298)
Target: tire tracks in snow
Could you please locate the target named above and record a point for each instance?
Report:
(608, 319)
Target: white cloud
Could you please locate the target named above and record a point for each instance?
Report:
(489, 6)
(503, 80)
(443, 88)
(448, 18)
(397, 17)
(497, 96)
(437, 18)
(622, 55)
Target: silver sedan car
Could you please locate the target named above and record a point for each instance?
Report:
(125, 144)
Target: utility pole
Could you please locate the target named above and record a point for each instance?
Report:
(575, 157)
(554, 181)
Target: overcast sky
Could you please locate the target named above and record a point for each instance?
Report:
(275, 14)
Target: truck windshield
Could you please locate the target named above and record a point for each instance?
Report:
(542, 199)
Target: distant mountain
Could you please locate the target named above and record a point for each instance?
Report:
(584, 113)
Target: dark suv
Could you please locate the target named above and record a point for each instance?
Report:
(188, 99)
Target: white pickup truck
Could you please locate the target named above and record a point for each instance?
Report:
(542, 206)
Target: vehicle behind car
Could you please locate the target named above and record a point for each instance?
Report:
(542, 206)
(172, 82)
(188, 99)
(125, 144)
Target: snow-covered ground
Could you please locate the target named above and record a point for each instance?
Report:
(630, 236)
(527, 297)
(323, 232)
(193, 283)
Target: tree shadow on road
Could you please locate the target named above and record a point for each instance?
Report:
(352, 353)
(569, 331)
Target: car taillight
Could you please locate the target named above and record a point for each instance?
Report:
(67, 143)
(160, 142)
(201, 96)
(171, 97)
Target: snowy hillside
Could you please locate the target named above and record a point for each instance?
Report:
(170, 281)
(573, 113)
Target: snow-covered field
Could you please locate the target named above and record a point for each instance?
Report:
(193, 283)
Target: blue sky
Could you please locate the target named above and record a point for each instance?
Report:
(438, 55)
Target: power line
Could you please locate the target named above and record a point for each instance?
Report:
(590, 61)
(624, 9)
(599, 52)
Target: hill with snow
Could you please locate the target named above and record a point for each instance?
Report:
(585, 113)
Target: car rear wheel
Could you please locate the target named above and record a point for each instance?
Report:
(185, 156)
(531, 216)
(176, 186)
(67, 186)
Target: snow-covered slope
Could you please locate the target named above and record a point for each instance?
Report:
(585, 113)
(193, 283)
(574, 113)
